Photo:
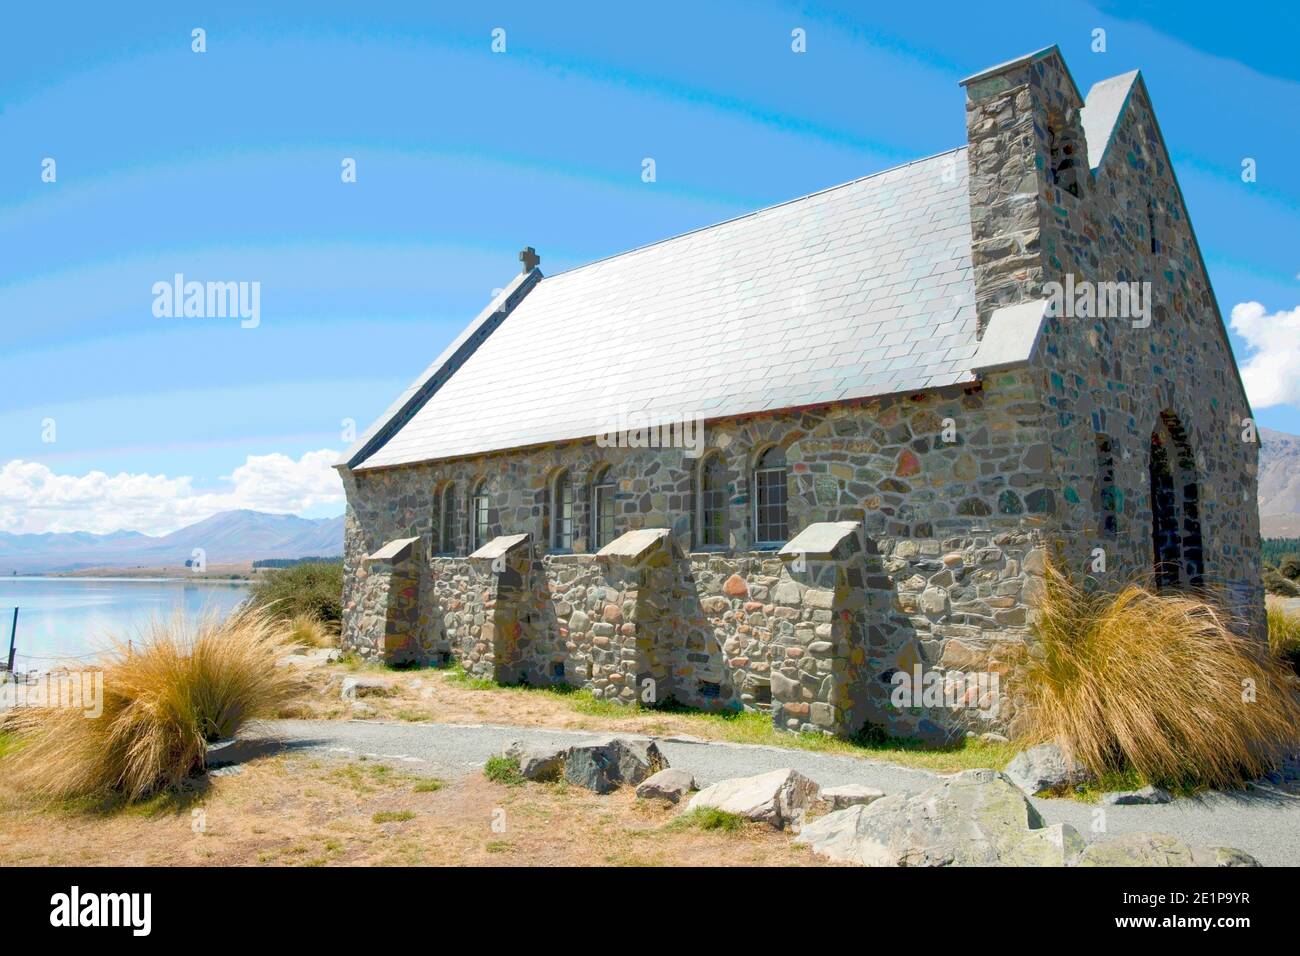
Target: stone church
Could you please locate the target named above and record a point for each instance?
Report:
(777, 462)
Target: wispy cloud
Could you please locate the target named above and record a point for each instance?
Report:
(1269, 373)
(34, 499)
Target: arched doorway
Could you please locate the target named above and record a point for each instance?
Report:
(1177, 552)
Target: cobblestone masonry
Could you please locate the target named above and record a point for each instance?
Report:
(1102, 376)
(960, 491)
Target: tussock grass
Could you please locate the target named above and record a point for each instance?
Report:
(1284, 634)
(179, 686)
(308, 630)
(1153, 683)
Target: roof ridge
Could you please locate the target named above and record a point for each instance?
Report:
(753, 212)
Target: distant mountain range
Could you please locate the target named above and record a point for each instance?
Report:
(231, 537)
(1279, 484)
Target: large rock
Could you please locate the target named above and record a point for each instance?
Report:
(1160, 849)
(1043, 768)
(668, 784)
(356, 687)
(975, 818)
(1147, 795)
(605, 765)
(780, 798)
(849, 795)
(1057, 845)
(538, 761)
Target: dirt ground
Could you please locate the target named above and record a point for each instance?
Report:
(296, 811)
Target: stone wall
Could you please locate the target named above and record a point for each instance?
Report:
(1105, 382)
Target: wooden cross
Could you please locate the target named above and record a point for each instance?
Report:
(529, 258)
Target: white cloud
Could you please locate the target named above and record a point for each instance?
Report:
(1272, 374)
(35, 499)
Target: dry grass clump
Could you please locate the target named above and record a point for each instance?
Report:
(177, 687)
(1154, 683)
(308, 630)
(1284, 634)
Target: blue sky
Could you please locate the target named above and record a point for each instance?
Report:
(226, 165)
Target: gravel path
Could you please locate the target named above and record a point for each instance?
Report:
(1264, 823)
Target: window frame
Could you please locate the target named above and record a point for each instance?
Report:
(758, 504)
(446, 543)
(702, 509)
(602, 489)
(479, 506)
(561, 520)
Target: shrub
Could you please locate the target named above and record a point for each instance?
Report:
(503, 770)
(181, 686)
(312, 589)
(1284, 634)
(1153, 683)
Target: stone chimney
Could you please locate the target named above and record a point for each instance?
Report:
(1028, 160)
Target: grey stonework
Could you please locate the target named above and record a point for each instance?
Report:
(959, 493)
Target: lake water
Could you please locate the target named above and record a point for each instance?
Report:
(61, 618)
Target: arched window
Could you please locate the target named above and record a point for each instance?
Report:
(771, 527)
(478, 516)
(602, 509)
(711, 503)
(562, 512)
(445, 518)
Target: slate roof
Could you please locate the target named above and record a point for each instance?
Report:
(860, 290)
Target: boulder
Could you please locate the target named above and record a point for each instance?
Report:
(667, 784)
(850, 795)
(1159, 849)
(605, 765)
(1057, 845)
(355, 687)
(1124, 798)
(538, 762)
(780, 798)
(1044, 767)
(975, 818)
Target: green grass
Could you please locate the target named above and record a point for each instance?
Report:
(503, 770)
(393, 816)
(709, 818)
(755, 727)
(8, 743)
(429, 786)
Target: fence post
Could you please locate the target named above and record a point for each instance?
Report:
(13, 635)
